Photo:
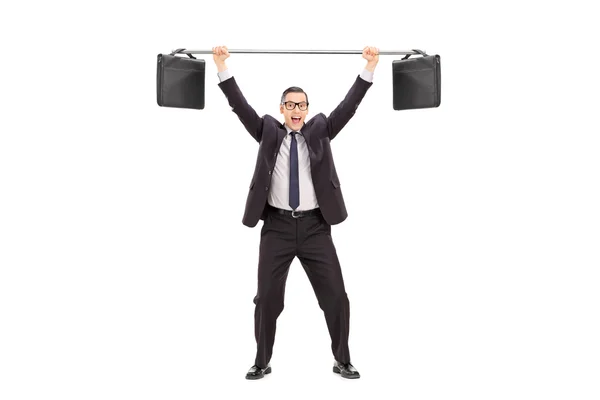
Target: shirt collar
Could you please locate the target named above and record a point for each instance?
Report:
(291, 130)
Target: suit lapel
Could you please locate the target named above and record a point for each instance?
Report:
(306, 131)
(306, 134)
(281, 132)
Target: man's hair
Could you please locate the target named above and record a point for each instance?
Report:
(293, 89)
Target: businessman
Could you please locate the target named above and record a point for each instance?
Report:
(295, 190)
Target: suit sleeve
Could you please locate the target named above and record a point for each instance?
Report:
(346, 109)
(250, 119)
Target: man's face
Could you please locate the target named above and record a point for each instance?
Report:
(294, 118)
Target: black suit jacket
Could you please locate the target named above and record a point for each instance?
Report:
(318, 132)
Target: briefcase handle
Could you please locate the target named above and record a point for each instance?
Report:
(177, 51)
(416, 51)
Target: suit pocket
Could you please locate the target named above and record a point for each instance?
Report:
(335, 183)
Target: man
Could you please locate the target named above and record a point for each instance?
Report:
(295, 190)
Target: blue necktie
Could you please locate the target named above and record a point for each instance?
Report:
(294, 175)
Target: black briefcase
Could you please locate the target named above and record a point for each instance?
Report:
(416, 82)
(180, 81)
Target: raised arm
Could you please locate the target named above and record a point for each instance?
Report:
(250, 119)
(346, 109)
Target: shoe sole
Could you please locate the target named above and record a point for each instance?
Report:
(255, 377)
(337, 371)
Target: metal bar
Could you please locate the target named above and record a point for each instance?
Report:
(249, 51)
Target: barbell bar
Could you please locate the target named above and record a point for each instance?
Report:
(252, 51)
(416, 82)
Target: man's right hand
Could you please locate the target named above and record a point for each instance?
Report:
(220, 54)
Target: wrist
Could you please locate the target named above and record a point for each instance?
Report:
(371, 66)
(221, 66)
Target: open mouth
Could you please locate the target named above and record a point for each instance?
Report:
(296, 120)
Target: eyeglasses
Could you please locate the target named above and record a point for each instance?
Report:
(290, 105)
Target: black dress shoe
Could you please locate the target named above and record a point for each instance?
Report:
(346, 370)
(256, 372)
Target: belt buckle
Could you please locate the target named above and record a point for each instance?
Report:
(295, 215)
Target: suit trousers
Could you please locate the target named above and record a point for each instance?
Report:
(284, 237)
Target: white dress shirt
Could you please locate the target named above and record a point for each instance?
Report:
(279, 191)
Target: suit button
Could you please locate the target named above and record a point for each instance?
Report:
(266, 188)
(270, 172)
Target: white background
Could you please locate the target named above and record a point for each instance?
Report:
(471, 250)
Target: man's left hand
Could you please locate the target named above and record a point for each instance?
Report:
(371, 54)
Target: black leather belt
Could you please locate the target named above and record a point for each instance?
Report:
(296, 214)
